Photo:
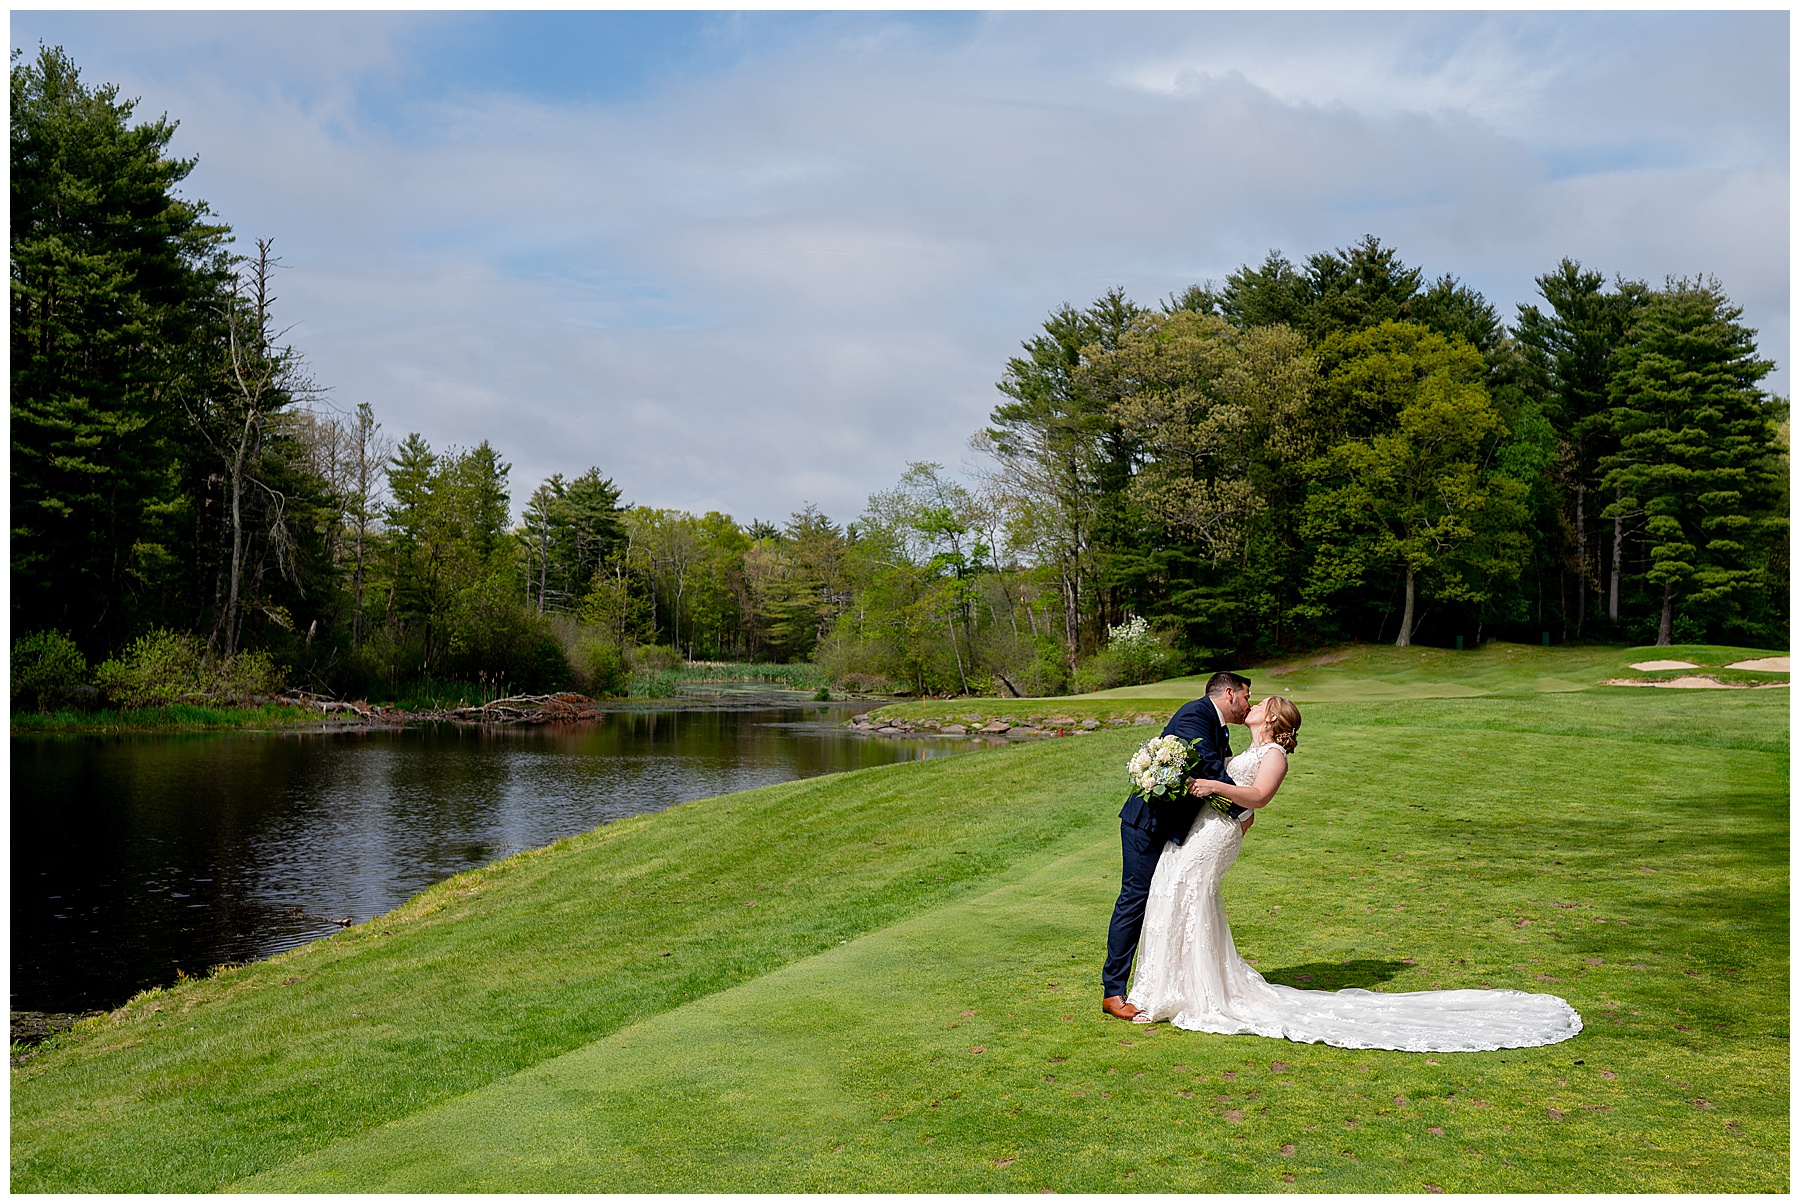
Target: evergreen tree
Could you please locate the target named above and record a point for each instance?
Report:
(1695, 457)
(1566, 364)
(1453, 308)
(113, 278)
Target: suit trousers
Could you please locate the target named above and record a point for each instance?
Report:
(1142, 850)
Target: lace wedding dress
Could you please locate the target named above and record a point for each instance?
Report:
(1190, 974)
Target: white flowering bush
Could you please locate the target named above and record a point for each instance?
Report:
(1137, 655)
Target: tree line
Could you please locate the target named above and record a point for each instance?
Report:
(1338, 449)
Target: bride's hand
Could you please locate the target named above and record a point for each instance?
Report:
(1200, 787)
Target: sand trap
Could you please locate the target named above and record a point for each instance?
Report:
(1677, 683)
(1652, 666)
(1768, 664)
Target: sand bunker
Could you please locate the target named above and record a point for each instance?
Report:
(1768, 664)
(1652, 666)
(1691, 683)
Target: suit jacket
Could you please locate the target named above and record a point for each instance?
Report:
(1171, 818)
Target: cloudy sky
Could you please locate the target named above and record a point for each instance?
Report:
(743, 262)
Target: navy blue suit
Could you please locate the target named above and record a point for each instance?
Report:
(1145, 825)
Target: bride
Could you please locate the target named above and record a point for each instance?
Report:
(1189, 973)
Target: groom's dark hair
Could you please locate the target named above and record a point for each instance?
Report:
(1222, 683)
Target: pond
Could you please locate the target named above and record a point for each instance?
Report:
(137, 858)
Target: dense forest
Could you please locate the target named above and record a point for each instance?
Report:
(1335, 449)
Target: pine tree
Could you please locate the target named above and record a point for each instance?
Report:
(1566, 365)
(1694, 454)
(112, 279)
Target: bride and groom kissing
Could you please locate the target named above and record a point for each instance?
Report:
(1170, 916)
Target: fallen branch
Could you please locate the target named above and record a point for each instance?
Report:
(526, 709)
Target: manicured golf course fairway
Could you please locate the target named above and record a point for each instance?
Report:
(887, 980)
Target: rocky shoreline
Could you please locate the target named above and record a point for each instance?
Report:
(997, 727)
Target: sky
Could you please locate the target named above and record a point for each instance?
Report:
(746, 262)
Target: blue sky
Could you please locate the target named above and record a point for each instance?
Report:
(748, 261)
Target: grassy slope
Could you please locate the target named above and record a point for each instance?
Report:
(1370, 671)
(763, 1054)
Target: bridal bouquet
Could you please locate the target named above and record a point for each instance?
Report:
(1161, 769)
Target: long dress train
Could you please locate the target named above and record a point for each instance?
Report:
(1189, 972)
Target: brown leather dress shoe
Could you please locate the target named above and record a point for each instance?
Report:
(1116, 1007)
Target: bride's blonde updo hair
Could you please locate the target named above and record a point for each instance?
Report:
(1283, 720)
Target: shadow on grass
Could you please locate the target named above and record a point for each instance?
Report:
(1334, 976)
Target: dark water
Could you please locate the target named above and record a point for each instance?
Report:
(135, 856)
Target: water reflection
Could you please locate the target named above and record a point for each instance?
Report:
(133, 856)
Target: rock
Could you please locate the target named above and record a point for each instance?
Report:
(1061, 721)
(887, 731)
(864, 718)
(1088, 725)
(953, 729)
(996, 728)
(971, 718)
(1143, 720)
(1118, 723)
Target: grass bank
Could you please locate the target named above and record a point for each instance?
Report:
(180, 717)
(1365, 672)
(886, 980)
(1381, 672)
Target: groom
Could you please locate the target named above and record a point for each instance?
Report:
(1145, 825)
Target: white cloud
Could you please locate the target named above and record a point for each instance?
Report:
(779, 281)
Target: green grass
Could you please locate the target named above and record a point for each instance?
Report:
(1366, 672)
(179, 717)
(1381, 672)
(887, 981)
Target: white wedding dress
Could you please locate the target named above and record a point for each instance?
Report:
(1190, 974)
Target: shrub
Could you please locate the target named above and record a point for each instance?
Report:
(47, 668)
(166, 667)
(156, 669)
(252, 672)
(654, 658)
(600, 669)
(1047, 672)
(1137, 654)
(864, 683)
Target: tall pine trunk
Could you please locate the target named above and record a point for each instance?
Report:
(1581, 555)
(1665, 626)
(1406, 616)
(1619, 560)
